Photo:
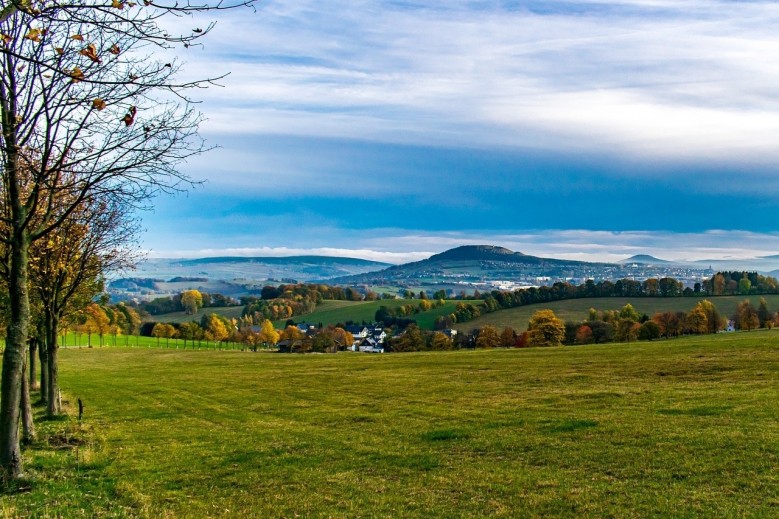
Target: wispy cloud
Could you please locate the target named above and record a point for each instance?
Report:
(690, 80)
(279, 252)
(399, 246)
(405, 126)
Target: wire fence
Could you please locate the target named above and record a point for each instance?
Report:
(83, 340)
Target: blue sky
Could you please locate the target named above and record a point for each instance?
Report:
(393, 130)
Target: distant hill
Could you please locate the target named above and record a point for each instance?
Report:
(285, 260)
(479, 253)
(487, 253)
(644, 259)
(260, 269)
(471, 263)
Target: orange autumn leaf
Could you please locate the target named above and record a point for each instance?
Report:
(117, 4)
(129, 116)
(77, 37)
(76, 75)
(59, 50)
(98, 104)
(34, 35)
(114, 49)
(90, 51)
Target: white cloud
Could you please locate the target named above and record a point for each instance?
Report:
(276, 252)
(670, 80)
(398, 246)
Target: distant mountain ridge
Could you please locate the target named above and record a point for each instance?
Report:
(644, 259)
(477, 252)
(471, 263)
(464, 264)
(299, 268)
(283, 260)
(490, 253)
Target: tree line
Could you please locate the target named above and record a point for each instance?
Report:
(219, 330)
(749, 283)
(623, 325)
(93, 127)
(188, 301)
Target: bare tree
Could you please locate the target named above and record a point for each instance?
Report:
(88, 114)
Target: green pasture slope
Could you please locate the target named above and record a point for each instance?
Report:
(576, 309)
(681, 428)
(327, 313)
(182, 317)
(334, 312)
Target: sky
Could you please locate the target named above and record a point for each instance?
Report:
(392, 130)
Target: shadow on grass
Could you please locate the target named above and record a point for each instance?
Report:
(419, 462)
(439, 435)
(696, 411)
(46, 418)
(564, 426)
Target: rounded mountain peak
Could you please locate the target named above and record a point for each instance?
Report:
(476, 253)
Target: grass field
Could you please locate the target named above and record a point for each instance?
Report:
(182, 317)
(576, 309)
(682, 428)
(327, 313)
(333, 312)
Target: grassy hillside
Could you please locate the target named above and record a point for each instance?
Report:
(683, 428)
(181, 317)
(327, 313)
(333, 312)
(576, 309)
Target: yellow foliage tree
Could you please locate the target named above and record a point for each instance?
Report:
(488, 337)
(545, 329)
(291, 333)
(697, 322)
(343, 339)
(192, 301)
(440, 342)
(268, 334)
(216, 331)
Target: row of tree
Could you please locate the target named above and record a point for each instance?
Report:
(398, 315)
(189, 301)
(740, 283)
(217, 329)
(719, 284)
(93, 126)
(624, 325)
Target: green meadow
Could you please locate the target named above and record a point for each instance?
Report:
(576, 309)
(327, 313)
(681, 428)
(183, 317)
(334, 312)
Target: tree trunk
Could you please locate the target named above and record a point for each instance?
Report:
(53, 407)
(43, 354)
(28, 427)
(31, 371)
(13, 356)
